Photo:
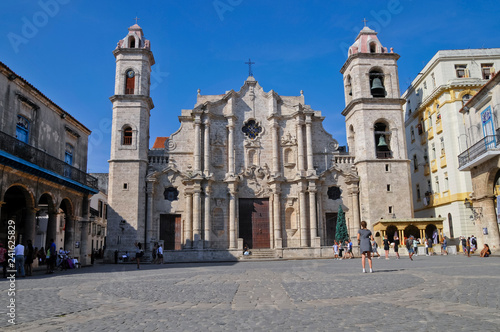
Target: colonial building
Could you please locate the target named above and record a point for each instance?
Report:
(482, 160)
(44, 189)
(435, 134)
(254, 167)
(98, 214)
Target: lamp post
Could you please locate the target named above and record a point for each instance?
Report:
(477, 212)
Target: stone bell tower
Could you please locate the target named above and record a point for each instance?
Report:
(129, 142)
(375, 129)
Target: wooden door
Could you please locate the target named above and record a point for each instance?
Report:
(331, 226)
(170, 231)
(254, 223)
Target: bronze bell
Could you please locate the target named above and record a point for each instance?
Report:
(381, 142)
(377, 88)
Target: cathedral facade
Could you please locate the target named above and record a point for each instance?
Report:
(254, 168)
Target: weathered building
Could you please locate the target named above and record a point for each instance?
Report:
(254, 167)
(44, 187)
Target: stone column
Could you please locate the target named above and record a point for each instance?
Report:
(321, 226)
(275, 139)
(30, 231)
(233, 237)
(85, 223)
(303, 218)
(208, 219)
(206, 148)
(355, 208)
(230, 146)
(300, 142)
(312, 212)
(149, 223)
(488, 220)
(188, 231)
(197, 243)
(310, 161)
(197, 144)
(278, 241)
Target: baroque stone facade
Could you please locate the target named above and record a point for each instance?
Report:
(251, 167)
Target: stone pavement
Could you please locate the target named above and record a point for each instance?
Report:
(440, 293)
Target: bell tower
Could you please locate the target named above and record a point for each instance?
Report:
(129, 141)
(375, 129)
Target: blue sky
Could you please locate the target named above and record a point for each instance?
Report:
(203, 44)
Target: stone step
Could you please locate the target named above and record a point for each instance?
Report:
(260, 254)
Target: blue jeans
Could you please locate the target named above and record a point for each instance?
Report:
(20, 265)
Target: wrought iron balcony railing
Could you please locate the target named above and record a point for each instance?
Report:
(488, 143)
(43, 160)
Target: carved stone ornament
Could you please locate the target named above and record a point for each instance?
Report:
(254, 181)
(288, 140)
(218, 138)
(333, 146)
(170, 145)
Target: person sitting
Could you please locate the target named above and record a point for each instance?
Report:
(486, 252)
(246, 251)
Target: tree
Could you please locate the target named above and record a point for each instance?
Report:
(341, 233)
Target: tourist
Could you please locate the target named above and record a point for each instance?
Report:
(53, 255)
(464, 245)
(430, 245)
(444, 245)
(138, 254)
(426, 244)
(19, 253)
(473, 244)
(364, 238)
(396, 245)
(415, 246)
(409, 246)
(28, 258)
(3, 259)
(41, 256)
(375, 249)
(154, 252)
(386, 246)
(160, 254)
(346, 250)
(335, 250)
(486, 252)
(467, 246)
(341, 249)
(349, 248)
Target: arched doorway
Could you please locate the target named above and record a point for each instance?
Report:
(412, 230)
(67, 224)
(18, 206)
(390, 232)
(430, 230)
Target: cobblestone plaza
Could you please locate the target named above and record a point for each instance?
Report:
(443, 293)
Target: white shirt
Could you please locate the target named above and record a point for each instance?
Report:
(160, 250)
(19, 250)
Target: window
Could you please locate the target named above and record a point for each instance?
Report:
(412, 133)
(465, 99)
(373, 47)
(486, 70)
(415, 162)
(125, 186)
(429, 115)
(387, 167)
(171, 194)
(418, 191)
(100, 208)
(442, 146)
(22, 129)
(382, 141)
(425, 85)
(388, 187)
(131, 42)
(436, 180)
(127, 136)
(433, 80)
(446, 184)
(429, 186)
(129, 82)
(251, 129)
(461, 71)
(433, 151)
(68, 159)
(390, 209)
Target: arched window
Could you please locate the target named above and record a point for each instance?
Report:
(348, 85)
(373, 47)
(377, 88)
(127, 136)
(382, 141)
(131, 42)
(129, 82)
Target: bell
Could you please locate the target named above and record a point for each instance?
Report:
(381, 142)
(377, 89)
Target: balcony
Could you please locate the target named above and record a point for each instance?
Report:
(426, 169)
(439, 127)
(430, 133)
(443, 163)
(23, 156)
(479, 153)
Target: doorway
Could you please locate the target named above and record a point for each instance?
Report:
(254, 222)
(331, 228)
(170, 231)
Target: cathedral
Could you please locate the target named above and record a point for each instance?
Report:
(254, 168)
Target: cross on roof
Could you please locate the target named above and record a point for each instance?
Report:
(250, 63)
(364, 21)
(136, 19)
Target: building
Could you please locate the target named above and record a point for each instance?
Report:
(482, 159)
(435, 134)
(98, 214)
(254, 167)
(44, 188)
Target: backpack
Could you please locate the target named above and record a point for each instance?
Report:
(474, 241)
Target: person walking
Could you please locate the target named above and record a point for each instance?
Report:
(364, 238)
(386, 246)
(138, 254)
(154, 253)
(467, 246)
(396, 245)
(160, 254)
(19, 253)
(409, 246)
(415, 247)
(444, 245)
(28, 258)
(335, 250)
(374, 249)
(349, 248)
